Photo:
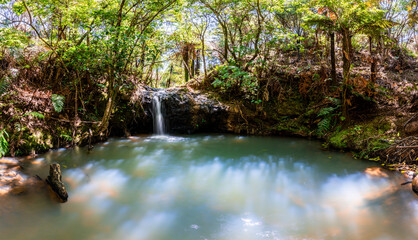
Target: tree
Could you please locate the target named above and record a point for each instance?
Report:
(351, 17)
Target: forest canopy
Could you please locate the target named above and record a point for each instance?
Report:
(163, 43)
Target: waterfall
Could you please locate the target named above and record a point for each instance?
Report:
(159, 128)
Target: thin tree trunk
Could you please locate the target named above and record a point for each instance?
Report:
(111, 87)
(156, 77)
(192, 69)
(186, 63)
(346, 69)
(203, 57)
(226, 44)
(108, 110)
(169, 76)
(373, 62)
(197, 65)
(333, 67)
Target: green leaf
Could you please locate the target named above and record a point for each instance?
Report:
(4, 145)
(35, 114)
(57, 102)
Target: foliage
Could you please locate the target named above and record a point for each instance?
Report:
(57, 102)
(35, 114)
(328, 116)
(66, 137)
(4, 145)
(12, 39)
(234, 80)
(366, 138)
(4, 85)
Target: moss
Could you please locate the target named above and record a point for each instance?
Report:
(289, 125)
(339, 139)
(364, 138)
(290, 106)
(36, 140)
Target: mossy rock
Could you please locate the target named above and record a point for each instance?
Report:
(364, 138)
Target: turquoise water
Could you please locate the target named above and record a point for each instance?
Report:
(214, 187)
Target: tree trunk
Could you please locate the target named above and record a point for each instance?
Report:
(373, 62)
(203, 57)
(113, 68)
(142, 62)
(226, 45)
(197, 65)
(156, 77)
(192, 69)
(108, 111)
(333, 67)
(186, 64)
(347, 47)
(169, 76)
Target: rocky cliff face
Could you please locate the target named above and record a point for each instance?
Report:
(184, 112)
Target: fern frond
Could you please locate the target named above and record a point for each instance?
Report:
(35, 114)
(324, 125)
(4, 86)
(57, 102)
(4, 145)
(326, 111)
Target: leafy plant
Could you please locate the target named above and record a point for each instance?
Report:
(4, 145)
(67, 137)
(4, 85)
(328, 115)
(35, 114)
(57, 102)
(234, 80)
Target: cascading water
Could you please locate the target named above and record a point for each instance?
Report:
(158, 119)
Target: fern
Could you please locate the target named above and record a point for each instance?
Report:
(57, 102)
(328, 115)
(324, 125)
(66, 137)
(326, 111)
(4, 145)
(35, 114)
(335, 101)
(4, 86)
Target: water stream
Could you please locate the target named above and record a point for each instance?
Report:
(159, 127)
(215, 187)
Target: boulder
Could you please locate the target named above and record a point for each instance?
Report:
(411, 126)
(415, 183)
(55, 181)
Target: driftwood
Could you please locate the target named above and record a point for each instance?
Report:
(55, 181)
(405, 151)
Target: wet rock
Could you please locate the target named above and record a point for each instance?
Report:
(411, 126)
(55, 181)
(414, 103)
(184, 111)
(415, 184)
(10, 176)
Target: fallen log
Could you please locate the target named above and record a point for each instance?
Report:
(55, 181)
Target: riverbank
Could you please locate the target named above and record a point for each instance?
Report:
(381, 123)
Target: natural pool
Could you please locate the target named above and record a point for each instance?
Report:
(214, 187)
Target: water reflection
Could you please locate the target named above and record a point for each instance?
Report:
(219, 187)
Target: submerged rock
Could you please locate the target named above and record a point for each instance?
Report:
(55, 181)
